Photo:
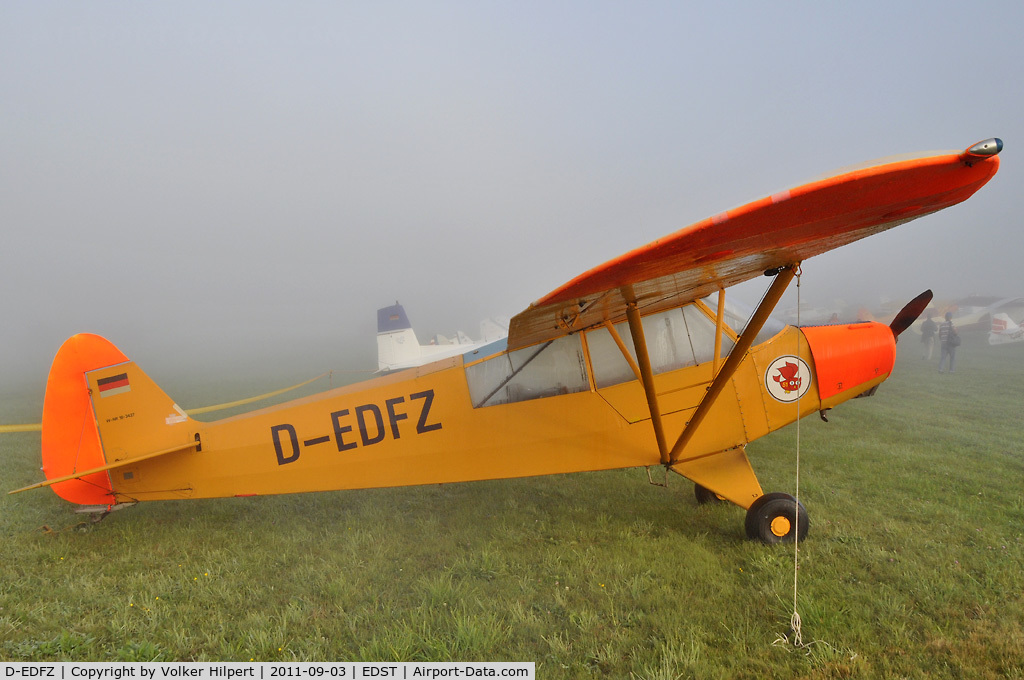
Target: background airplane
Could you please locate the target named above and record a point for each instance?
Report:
(1004, 330)
(398, 346)
(975, 312)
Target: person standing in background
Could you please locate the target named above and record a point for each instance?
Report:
(928, 329)
(949, 340)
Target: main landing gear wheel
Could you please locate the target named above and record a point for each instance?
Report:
(705, 495)
(773, 519)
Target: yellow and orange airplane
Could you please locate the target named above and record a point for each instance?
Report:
(638, 362)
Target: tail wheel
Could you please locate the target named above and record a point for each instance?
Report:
(705, 495)
(777, 518)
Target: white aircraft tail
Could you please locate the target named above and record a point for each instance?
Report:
(493, 329)
(1004, 330)
(396, 341)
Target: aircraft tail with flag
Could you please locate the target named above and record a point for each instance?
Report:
(101, 414)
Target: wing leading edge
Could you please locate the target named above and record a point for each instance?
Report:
(740, 244)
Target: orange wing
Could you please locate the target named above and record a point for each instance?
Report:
(737, 245)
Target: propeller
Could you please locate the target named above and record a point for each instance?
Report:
(909, 313)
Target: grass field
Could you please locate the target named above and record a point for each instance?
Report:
(914, 566)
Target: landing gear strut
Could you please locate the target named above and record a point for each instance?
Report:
(777, 518)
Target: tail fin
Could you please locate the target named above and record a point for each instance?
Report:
(102, 412)
(493, 329)
(1004, 330)
(396, 342)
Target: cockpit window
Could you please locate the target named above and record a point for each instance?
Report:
(545, 370)
(675, 339)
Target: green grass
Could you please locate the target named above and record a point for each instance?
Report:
(914, 566)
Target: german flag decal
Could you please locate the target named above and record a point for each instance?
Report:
(115, 384)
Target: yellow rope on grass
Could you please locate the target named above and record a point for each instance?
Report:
(29, 427)
(249, 400)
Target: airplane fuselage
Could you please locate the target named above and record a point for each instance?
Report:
(426, 425)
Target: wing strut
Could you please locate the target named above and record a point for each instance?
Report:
(757, 321)
(643, 359)
(111, 466)
(625, 352)
(719, 324)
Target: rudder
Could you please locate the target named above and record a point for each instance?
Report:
(99, 409)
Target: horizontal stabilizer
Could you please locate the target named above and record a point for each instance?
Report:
(104, 468)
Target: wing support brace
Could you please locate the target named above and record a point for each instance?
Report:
(719, 325)
(643, 361)
(736, 356)
(110, 466)
(642, 367)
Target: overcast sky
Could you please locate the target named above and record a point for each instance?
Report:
(237, 186)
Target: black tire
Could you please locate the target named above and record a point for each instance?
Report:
(705, 495)
(773, 518)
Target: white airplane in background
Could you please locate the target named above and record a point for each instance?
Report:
(1004, 330)
(398, 347)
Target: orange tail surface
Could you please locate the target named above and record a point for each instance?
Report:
(102, 412)
(71, 440)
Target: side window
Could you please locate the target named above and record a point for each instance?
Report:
(675, 339)
(544, 370)
(702, 335)
(667, 341)
(607, 362)
(737, 314)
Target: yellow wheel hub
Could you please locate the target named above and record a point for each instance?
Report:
(781, 526)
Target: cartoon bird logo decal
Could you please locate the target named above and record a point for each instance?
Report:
(788, 378)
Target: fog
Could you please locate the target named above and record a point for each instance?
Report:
(233, 189)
